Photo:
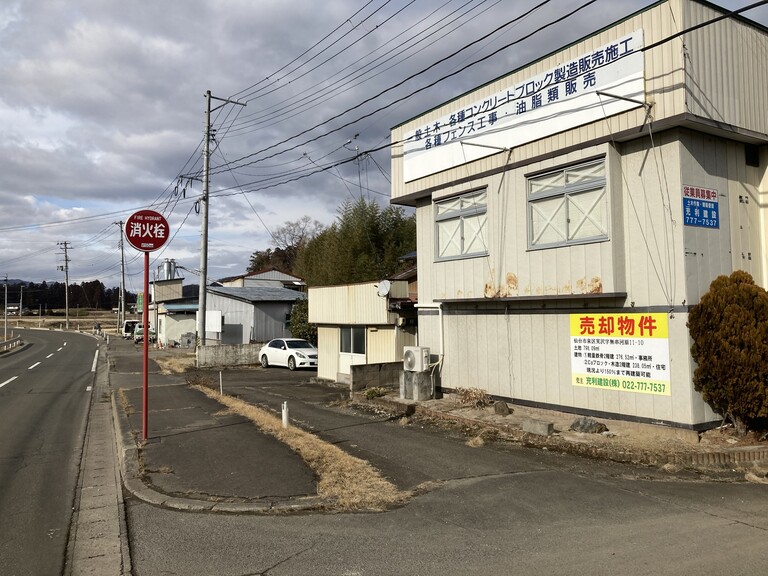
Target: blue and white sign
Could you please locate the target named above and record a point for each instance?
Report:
(556, 100)
(701, 207)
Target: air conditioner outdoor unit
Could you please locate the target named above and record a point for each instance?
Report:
(415, 358)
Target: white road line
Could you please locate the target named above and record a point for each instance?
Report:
(8, 381)
(95, 359)
(88, 388)
(49, 355)
(34, 365)
(60, 349)
(65, 343)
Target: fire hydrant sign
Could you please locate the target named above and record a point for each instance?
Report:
(621, 352)
(146, 230)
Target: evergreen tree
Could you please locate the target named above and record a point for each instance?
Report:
(363, 244)
(729, 329)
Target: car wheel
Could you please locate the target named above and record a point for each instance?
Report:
(291, 363)
(264, 361)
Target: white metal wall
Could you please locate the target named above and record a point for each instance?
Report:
(726, 73)
(354, 304)
(328, 347)
(527, 357)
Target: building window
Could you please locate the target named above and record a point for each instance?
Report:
(461, 224)
(568, 206)
(352, 339)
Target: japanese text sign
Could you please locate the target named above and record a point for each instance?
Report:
(146, 230)
(525, 109)
(621, 352)
(701, 207)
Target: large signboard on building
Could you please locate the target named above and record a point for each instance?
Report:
(559, 99)
(701, 207)
(622, 352)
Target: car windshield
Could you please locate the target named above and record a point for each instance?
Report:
(298, 344)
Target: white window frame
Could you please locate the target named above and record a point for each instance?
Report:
(473, 207)
(568, 193)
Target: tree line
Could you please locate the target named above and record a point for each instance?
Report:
(45, 297)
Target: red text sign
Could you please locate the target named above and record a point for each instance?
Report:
(146, 230)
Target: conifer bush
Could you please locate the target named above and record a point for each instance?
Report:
(729, 329)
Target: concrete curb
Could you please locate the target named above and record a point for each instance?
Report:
(128, 455)
(702, 459)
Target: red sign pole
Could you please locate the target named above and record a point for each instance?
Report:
(146, 230)
(145, 362)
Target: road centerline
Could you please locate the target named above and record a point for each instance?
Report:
(8, 381)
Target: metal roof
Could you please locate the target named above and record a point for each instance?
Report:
(258, 293)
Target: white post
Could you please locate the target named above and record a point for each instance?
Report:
(285, 414)
(221, 385)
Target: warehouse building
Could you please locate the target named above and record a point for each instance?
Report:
(570, 212)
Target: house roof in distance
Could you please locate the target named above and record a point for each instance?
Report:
(258, 293)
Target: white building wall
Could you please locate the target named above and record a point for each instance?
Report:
(506, 315)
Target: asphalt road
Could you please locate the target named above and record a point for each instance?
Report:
(44, 396)
(498, 509)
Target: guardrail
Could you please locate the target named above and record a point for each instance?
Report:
(8, 344)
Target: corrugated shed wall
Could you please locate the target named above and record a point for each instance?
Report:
(327, 352)
(380, 345)
(353, 304)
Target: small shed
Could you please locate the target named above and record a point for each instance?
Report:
(366, 323)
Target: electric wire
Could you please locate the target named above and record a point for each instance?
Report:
(219, 169)
(278, 113)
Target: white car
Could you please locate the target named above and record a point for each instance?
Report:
(291, 352)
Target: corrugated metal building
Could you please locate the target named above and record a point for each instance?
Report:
(570, 212)
(251, 315)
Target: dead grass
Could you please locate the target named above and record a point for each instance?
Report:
(475, 397)
(177, 363)
(124, 402)
(348, 482)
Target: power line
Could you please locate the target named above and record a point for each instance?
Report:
(220, 169)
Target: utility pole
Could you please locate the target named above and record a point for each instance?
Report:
(65, 268)
(121, 304)
(5, 309)
(201, 308)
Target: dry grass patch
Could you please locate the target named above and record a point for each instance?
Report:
(178, 363)
(349, 482)
(124, 402)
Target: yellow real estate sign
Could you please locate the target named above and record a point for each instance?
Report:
(622, 352)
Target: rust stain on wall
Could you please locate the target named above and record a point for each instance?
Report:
(595, 286)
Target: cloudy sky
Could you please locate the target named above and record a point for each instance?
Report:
(102, 113)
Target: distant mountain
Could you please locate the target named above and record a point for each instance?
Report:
(14, 282)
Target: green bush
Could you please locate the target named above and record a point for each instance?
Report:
(300, 326)
(729, 329)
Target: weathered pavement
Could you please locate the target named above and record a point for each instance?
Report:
(98, 543)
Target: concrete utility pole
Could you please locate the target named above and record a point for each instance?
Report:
(121, 304)
(201, 306)
(65, 268)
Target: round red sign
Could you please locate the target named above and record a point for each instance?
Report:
(146, 230)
